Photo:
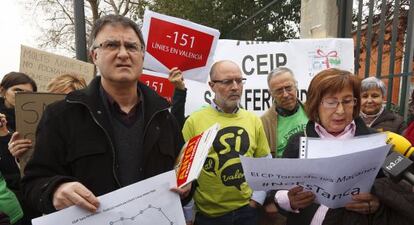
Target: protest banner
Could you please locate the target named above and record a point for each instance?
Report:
(29, 109)
(257, 59)
(158, 82)
(333, 180)
(173, 42)
(44, 66)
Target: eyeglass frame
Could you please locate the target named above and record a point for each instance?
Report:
(344, 105)
(140, 47)
(282, 90)
(228, 82)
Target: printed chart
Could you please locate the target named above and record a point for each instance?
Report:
(145, 203)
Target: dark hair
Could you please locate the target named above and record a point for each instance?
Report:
(15, 78)
(114, 20)
(331, 81)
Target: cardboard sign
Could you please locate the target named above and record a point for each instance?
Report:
(173, 42)
(44, 66)
(29, 109)
(158, 82)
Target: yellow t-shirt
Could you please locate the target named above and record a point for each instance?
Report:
(222, 186)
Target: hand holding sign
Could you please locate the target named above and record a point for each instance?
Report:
(176, 78)
(175, 42)
(300, 199)
(18, 146)
(29, 109)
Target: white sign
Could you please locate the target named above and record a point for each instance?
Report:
(333, 180)
(173, 42)
(305, 57)
(311, 147)
(146, 203)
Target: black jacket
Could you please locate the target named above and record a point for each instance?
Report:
(74, 142)
(389, 121)
(8, 165)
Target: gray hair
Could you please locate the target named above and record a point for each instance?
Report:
(281, 70)
(373, 82)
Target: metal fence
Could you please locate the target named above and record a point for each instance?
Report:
(384, 43)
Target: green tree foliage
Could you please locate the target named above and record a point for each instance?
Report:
(278, 22)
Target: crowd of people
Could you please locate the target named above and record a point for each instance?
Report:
(116, 131)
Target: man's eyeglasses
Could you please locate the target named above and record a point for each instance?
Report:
(332, 103)
(112, 45)
(281, 91)
(228, 82)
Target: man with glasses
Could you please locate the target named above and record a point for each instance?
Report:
(114, 133)
(285, 118)
(222, 195)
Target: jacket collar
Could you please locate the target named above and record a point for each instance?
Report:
(284, 112)
(90, 96)
(386, 115)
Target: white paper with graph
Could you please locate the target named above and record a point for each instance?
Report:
(145, 203)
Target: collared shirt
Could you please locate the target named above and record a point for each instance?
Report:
(348, 132)
(285, 112)
(127, 118)
(127, 133)
(215, 106)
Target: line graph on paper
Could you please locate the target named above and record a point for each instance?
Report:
(144, 216)
(148, 202)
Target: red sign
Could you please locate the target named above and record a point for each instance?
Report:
(159, 84)
(176, 45)
(187, 159)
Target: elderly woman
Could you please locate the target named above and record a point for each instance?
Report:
(373, 111)
(332, 107)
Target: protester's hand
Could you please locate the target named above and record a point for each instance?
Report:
(364, 203)
(183, 191)
(19, 146)
(300, 199)
(253, 204)
(3, 125)
(74, 193)
(271, 210)
(176, 78)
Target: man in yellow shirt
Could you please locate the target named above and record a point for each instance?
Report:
(222, 195)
